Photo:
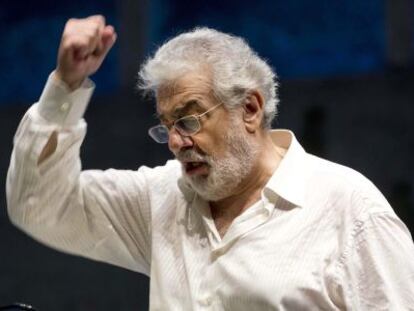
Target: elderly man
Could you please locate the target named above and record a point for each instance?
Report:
(242, 219)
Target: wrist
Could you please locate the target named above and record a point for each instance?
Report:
(71, 83)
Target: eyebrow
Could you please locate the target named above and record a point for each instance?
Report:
(180, 111)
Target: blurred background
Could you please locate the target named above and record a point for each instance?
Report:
(346, 74)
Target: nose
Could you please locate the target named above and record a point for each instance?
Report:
(176, 141)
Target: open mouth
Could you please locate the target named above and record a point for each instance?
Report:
(195, 168)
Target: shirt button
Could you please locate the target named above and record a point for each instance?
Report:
(31, 200)
(65, 107)
(207, 301)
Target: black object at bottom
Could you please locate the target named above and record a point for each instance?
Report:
(17, 307)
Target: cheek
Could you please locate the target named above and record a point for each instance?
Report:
(213, 140)
(211, 145)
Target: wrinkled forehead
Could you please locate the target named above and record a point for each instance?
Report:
(193, 88)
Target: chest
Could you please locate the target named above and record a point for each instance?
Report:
(274, 265)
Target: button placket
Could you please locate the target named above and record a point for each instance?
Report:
(206, 290)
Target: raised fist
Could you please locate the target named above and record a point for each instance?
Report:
(84, 45)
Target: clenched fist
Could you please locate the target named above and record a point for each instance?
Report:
(84, 45)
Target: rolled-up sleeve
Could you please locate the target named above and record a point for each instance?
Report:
(102, 215)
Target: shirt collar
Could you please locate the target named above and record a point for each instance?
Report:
(289, 179)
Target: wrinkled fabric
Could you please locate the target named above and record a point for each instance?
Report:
(322, 237)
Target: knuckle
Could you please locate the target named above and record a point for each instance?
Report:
(100, 18)
(71, 21)
(95, 30)
(66, 45)
(90, 37)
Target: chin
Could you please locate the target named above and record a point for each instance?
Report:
(209, 187)
(225, 174)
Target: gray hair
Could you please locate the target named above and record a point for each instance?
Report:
(236, 68)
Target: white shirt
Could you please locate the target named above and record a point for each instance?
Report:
(322, 237)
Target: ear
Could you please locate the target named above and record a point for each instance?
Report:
(253, 111)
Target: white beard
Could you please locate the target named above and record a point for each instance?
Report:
(225, 173)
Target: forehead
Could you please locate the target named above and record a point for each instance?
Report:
(192, 89)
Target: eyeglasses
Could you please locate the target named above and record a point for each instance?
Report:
(186, 126)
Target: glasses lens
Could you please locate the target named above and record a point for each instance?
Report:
(159, 133)
(188, 125)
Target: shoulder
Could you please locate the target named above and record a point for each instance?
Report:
(357, 211)
(345, 189)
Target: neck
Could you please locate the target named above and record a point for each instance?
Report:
(249, 191)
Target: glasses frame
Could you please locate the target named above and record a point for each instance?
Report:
(181, 131)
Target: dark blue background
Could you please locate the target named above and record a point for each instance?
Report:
(301, 39)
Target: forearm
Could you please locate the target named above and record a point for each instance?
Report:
(32, 183)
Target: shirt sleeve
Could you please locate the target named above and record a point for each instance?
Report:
(377, 267)
(102, 215)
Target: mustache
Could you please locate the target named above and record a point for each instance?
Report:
(191, 155)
